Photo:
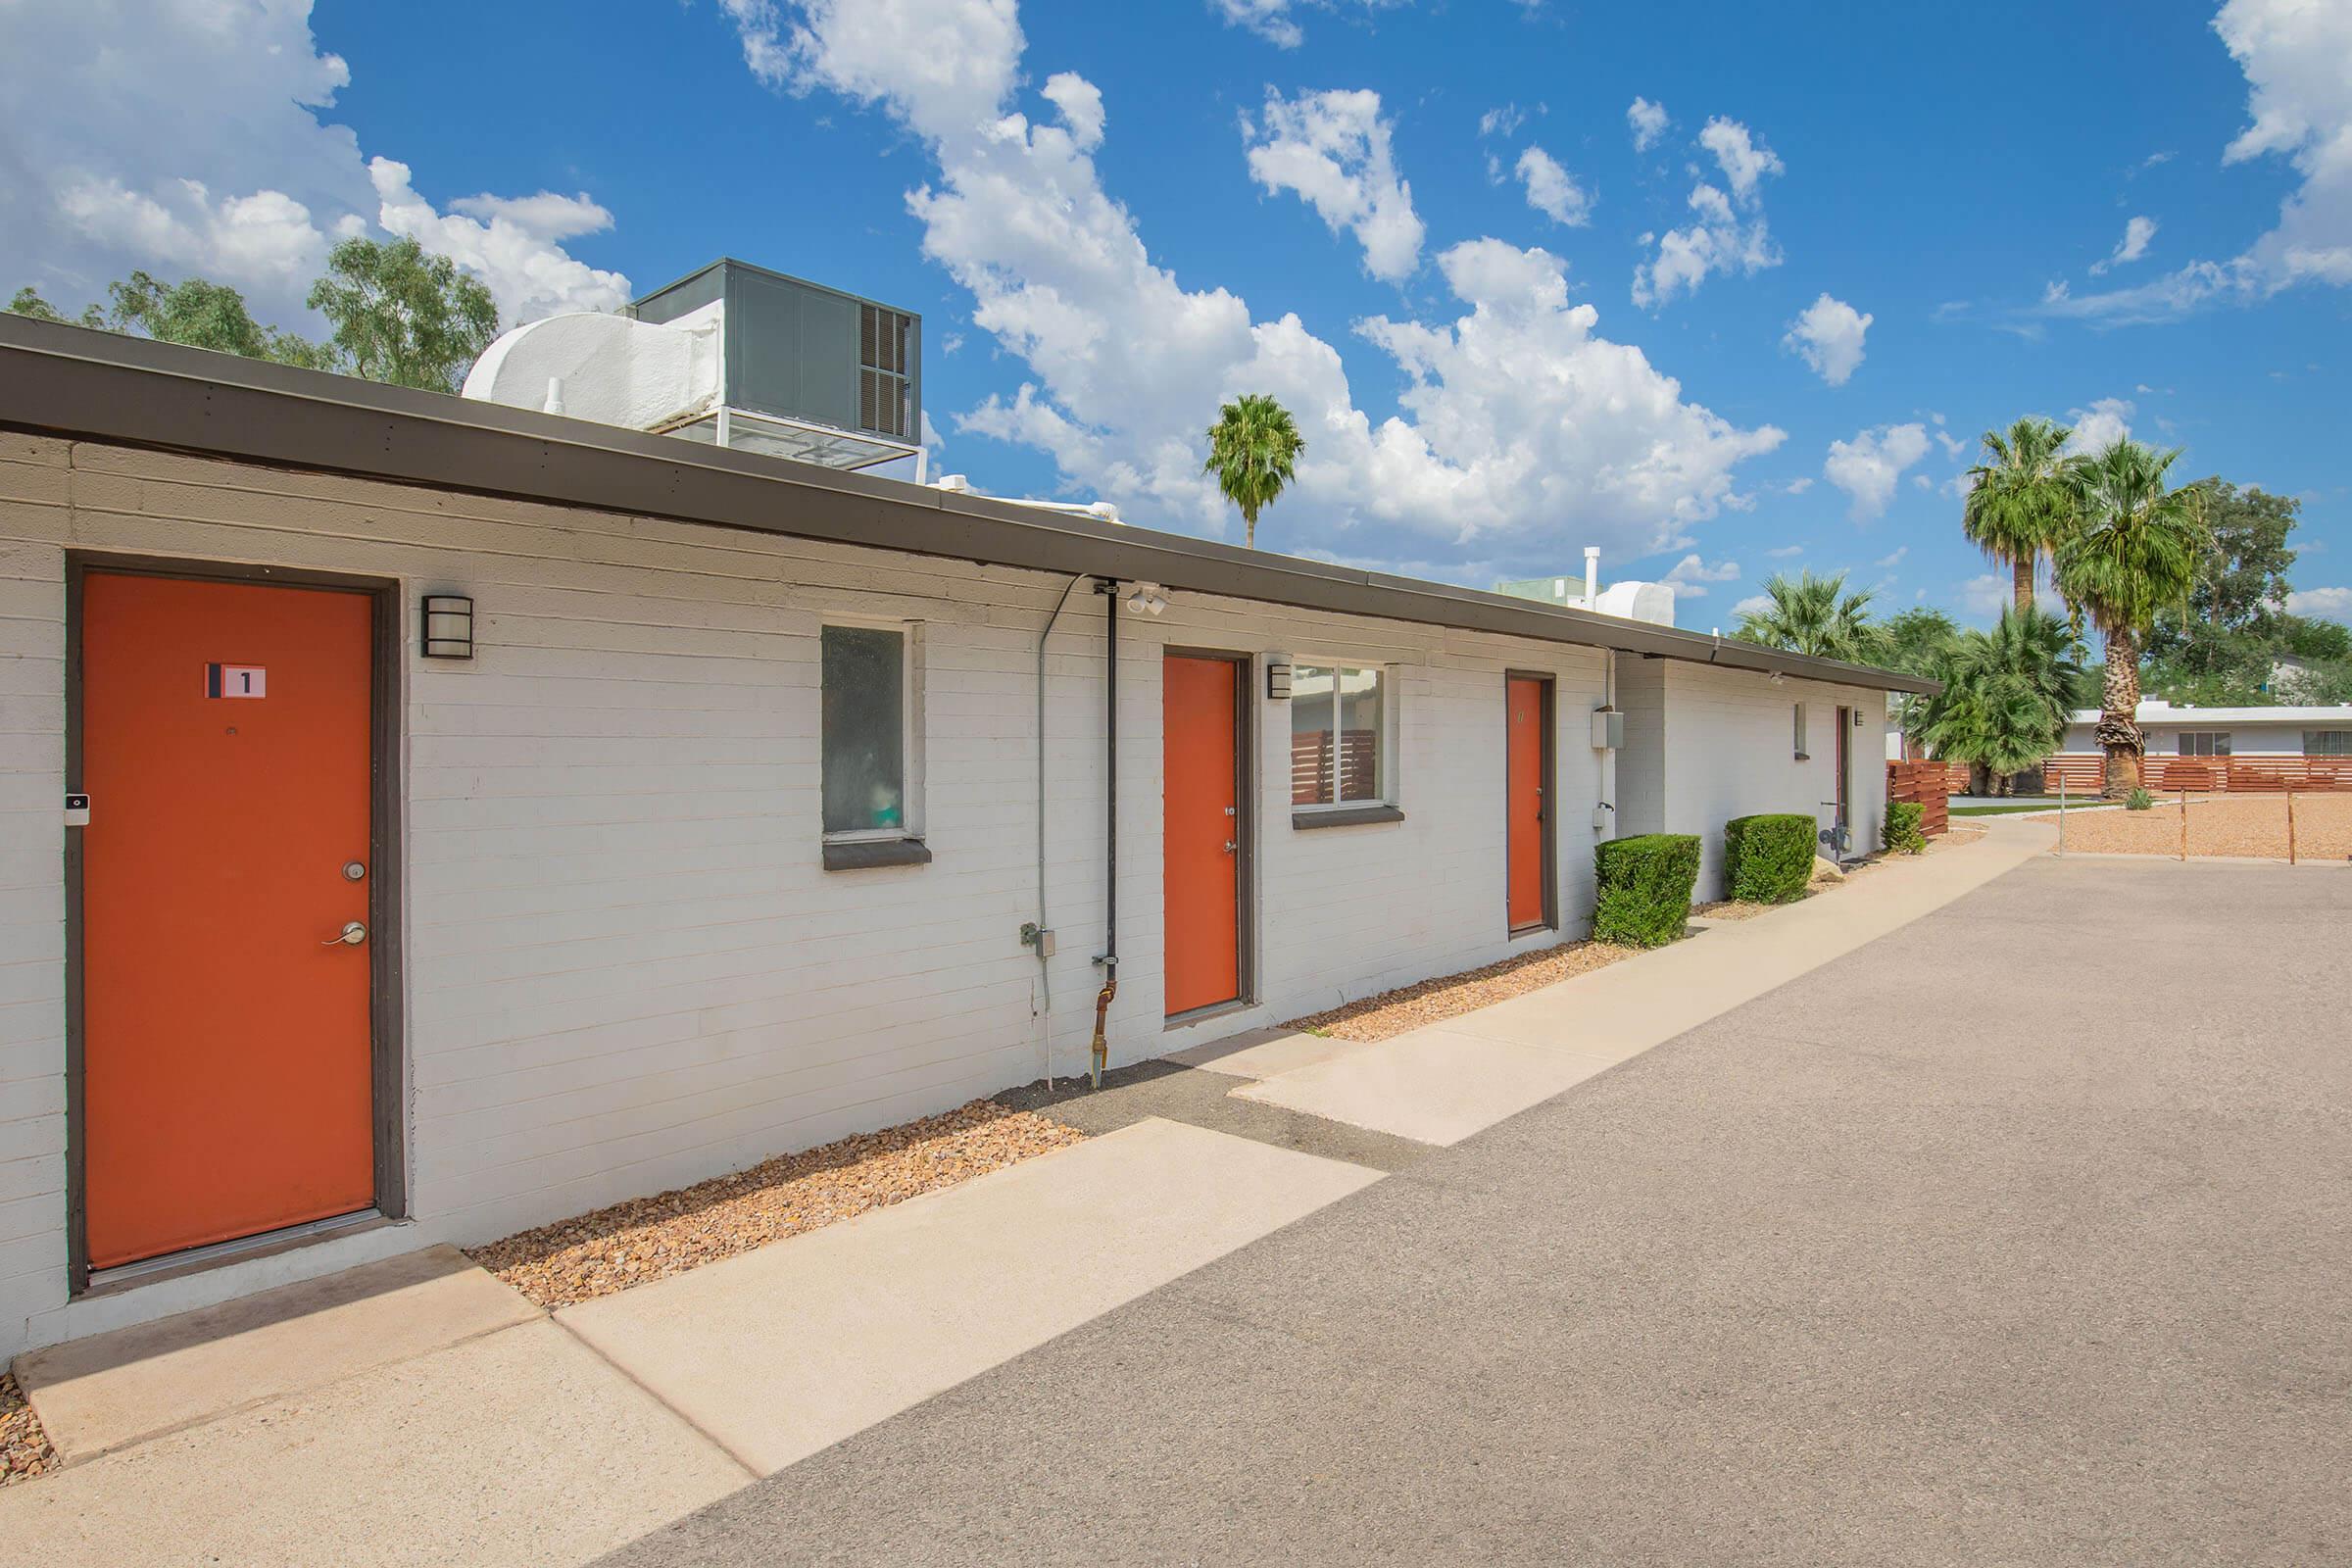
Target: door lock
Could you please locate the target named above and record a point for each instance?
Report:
(1231, 846)
(352, 935)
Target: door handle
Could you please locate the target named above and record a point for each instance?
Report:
(1230, 846)
(351, 936)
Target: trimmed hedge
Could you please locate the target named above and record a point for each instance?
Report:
(1904, 835)
(1768, 858)
(1644, 885)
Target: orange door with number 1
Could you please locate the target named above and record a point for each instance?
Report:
(227, 1082)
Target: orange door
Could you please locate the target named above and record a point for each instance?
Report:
(1201, 831)
(226, 1082)
(1525, 766)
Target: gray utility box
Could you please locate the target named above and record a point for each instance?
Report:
(1608, 731)
(800, 350)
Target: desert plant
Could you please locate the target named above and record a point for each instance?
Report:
(1643, 888)
(1904, 833)
(2022, 505)
(1816, 615)
(1768, 858)
(2135, 551)
(1254, 452)
(2139, 800)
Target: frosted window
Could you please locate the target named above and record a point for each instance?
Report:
(864, 737)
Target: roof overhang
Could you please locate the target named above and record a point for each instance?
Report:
(103, 386)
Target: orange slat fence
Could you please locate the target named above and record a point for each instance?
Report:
(2083, 773)
(1927, 784)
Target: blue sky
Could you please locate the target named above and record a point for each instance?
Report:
(1508, 329)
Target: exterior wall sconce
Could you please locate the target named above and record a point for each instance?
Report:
(448, 626)
(1277, 677)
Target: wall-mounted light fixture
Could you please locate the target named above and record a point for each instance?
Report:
(448, 626)
(1277, 677)
(1146, 598)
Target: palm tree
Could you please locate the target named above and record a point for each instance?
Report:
(2005, 695)
(1814, 615)
(1253, 451)
(2022, 507)
(2133, 552)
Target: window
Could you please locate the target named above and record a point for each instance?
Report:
(1339, 727)
(2204, 743)
(2328, 743)
(867, 730)
(1802, 755)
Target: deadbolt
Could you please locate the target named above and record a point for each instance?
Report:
(353, 935)
(353, 872)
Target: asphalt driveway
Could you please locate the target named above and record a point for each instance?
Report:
(2021, 1235)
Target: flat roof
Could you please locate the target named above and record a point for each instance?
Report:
(85, 384)
(2341, 713)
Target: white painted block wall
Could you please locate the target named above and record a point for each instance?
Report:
(628, 969)
(1706, 744)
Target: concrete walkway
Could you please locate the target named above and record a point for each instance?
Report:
(1961, 1248)
(419, 1411)
(1441, 1083)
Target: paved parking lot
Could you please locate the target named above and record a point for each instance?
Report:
(2023, 1234)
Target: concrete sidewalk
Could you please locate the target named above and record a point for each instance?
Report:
(1442, 1082)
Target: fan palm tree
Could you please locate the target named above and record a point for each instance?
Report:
(2005, 695)
(2133, 552)
(1814, 615)
(1253, 451)
(2022, 505)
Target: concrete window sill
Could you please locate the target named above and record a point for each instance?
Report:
(1345, 816)
(859, 854)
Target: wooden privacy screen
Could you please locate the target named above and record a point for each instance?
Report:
(2083, 773)
(1923, 783)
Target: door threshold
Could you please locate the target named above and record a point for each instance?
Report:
(1215, 1009)
(1537, 929)
(221, 1255)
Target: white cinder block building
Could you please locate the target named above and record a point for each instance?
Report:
(425, 820)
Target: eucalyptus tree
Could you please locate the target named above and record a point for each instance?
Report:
(2022, 504)
(1814, 615)
(2133, 553)
(1254, 452)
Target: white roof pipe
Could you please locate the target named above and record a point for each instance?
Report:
(1591, 575)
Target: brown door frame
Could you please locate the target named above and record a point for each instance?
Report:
(1844, 752)
(385, 904)
(1245, 829)
(1547, 811)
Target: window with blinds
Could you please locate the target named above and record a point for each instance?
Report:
(885, 391)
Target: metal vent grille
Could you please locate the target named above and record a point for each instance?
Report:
(884, 394)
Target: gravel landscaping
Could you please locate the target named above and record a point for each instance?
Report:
(24, 1451)
(2220, 825)
(1393, 1012)
(652, 1237)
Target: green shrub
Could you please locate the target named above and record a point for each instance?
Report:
(1904, 835)
(2138, 801)
(1768, 860)
(1643, 888)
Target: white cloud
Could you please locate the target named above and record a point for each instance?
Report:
(1868, 467)
(1828, 336)
(1647, 121)
(1333, 149)
(1785, 551)
(1889, 561)
(1689, 577)
(1272, 19)
(2101, 425)
(1752, 604)
(1552, 191)
(1081, 104)
(2297, 60)
(512, 244)
(1730, 234)
(190, 137)
(2334, 603)
(2130, 248)
(1800, 485)
(1952, 445)
(1518, 423)
(1504, 120)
